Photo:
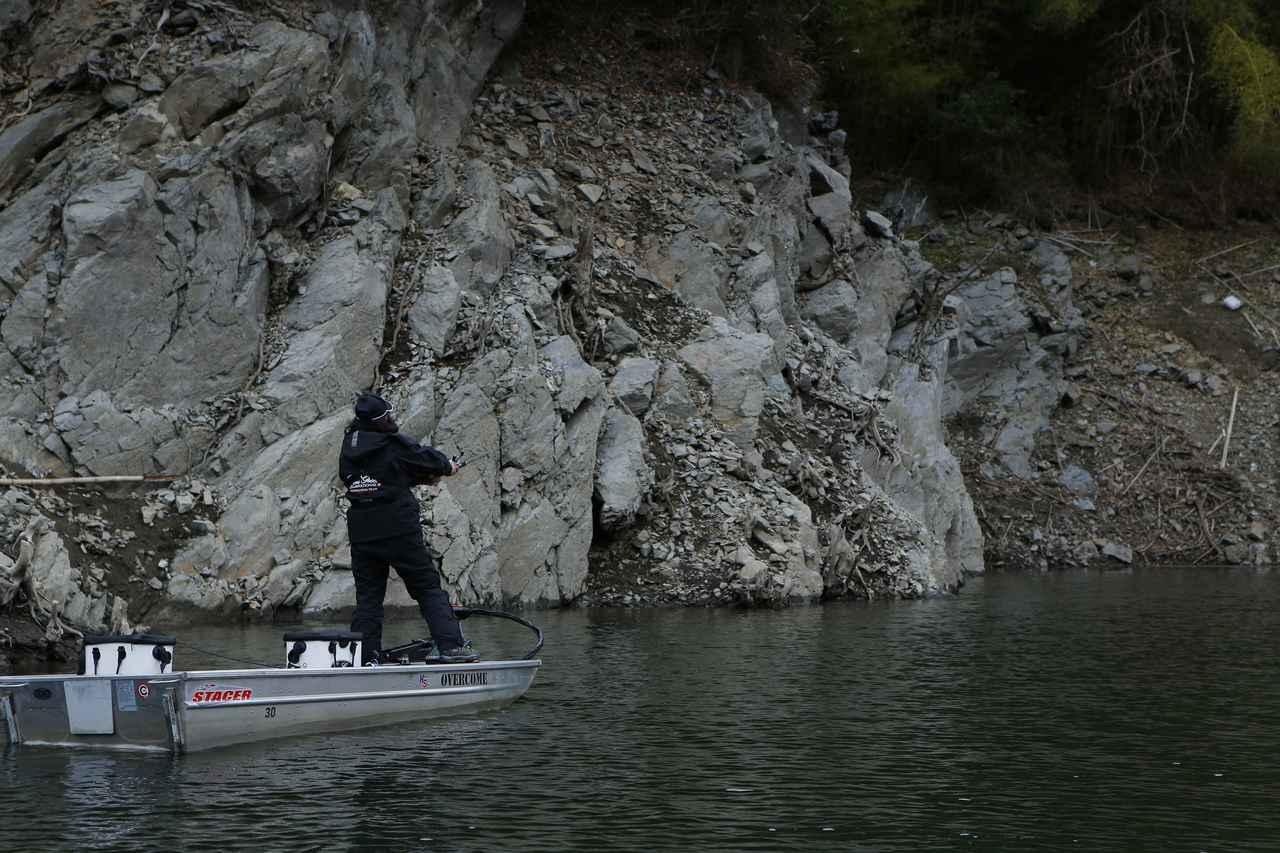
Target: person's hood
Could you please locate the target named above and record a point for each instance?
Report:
(359, 443)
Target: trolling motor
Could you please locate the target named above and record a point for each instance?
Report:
(425, 651)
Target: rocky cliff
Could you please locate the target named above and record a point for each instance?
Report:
(682, 364)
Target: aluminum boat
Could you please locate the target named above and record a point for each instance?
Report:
(128, 698)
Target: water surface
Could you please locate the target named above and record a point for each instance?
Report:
(1067, 712)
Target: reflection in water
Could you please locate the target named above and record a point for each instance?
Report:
(1134, 711)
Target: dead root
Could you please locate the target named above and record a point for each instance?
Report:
(17, 587)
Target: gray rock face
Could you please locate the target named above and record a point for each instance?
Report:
(134, 280)
(336, 325)
(633, 384)
(481, 234)
(833, 308)
(436, 309)
(24, 143)
(695, 271)
(103, 439)
(14, 15)
(26, 226)
(1000, 367)
(619, 337)
(278, 73)
(755, 303)
(671, 397)
(927, 481)
(623, 477)
(888, 283)
(286, 159)
(877, 224)
(189, 324)
(735, 366)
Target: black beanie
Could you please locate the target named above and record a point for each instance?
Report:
(371, 407)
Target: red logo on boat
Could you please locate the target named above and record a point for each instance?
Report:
(211, 693)
(144, 690)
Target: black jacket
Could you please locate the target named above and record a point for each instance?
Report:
(379, 470)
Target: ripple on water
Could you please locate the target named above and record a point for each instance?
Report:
(1090, 711)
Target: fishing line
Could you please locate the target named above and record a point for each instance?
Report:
(212, 653)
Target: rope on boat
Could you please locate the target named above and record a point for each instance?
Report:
(464, 612)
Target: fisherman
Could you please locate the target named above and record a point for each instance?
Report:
(380, 466)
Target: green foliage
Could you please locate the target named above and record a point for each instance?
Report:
(982, 87)
(983, 91)
(1061, 15)
(1248, 75)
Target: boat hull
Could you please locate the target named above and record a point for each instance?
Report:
(193, 711)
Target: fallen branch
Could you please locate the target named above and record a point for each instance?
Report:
(164, 18)
(1271, 268)
(1068, 244)
(1208, 537)
(1214, 446)
(1144, 465)
(257, 371)
(1231, 422)
(1227, 251)
(79, 481)
(1252, 325)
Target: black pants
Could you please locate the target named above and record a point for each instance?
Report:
(370, 562)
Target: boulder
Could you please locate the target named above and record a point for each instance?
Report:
(833, 308)
(287, 159)
(619, 337)
(926, 480)
(480, 234)
(434, 312)
(695, 271)
(633, 384)
(25, 142)
(623, 477)
(754, 301)
(146, 126)
(188, 325)
(884, 284)
(877, 224)
(336, 325)
(281, 70)
(735, 366)
(999, 367)
(671, 397)
(1078, 480)
(26, 226)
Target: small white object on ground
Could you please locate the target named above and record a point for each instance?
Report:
(1232, 303)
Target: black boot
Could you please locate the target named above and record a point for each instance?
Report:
(371, 645)
(445, 630)
(461, 654)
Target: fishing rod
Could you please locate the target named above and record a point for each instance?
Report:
(425, 647)
(466, 612)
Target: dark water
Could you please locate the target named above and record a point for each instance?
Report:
(1077, 712)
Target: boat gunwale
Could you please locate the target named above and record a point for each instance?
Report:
(18, 682)
(319, 698)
